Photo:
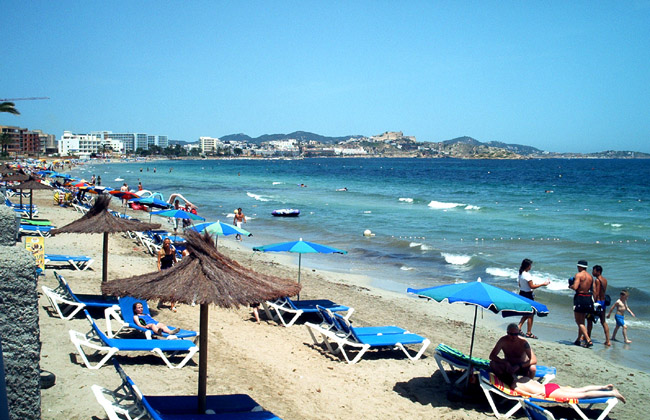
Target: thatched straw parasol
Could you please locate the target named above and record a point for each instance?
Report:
(99, 220)
(31, 184)
(204, 276)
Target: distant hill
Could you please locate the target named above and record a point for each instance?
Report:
(513, 148)
(298, 135)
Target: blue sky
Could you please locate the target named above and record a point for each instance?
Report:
(567, 76)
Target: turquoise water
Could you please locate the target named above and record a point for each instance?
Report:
(439, 221)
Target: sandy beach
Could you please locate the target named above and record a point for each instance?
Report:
(280, 367)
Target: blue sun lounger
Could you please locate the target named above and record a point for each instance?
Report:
(130, 402)
(67, 304)
(372, 338)
(298, 307)
(331, 325)
(96, 340)
(78, 262)
(33, 230)
(122, 314)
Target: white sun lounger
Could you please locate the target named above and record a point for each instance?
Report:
(78, 262)
(96, 340)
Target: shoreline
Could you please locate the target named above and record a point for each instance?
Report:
(280, 367)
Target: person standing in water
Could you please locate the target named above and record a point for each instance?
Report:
(526, 287)
(238, 221)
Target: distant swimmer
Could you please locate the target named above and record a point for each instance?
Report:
(342, 189)
(171, 169)
(303, 185)
(548, 191)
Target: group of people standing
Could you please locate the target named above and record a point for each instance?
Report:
(589, 302)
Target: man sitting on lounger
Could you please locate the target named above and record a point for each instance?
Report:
(518, 359)
(530, 387)
(146, 321)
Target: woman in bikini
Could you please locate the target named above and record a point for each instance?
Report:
(530, 387)
(166, 259)
(146, 321)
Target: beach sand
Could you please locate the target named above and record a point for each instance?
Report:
(280, 367)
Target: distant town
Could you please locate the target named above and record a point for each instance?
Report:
(22, 142)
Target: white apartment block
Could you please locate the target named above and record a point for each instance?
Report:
(287, 145)
(86, 144)
(209, 144)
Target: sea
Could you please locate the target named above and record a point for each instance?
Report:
(438, 221)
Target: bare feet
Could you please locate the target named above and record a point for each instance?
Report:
(607, 343)
(619, 395)
(628, 341)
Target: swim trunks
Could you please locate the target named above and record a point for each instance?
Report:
(620, 320)
(583, 304)
(549, 388)
(528, 295)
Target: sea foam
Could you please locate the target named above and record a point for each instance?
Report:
(406, 199)
(440, 205)
(257, 197)
(456, 259)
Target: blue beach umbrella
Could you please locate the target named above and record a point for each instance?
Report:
(300, 247)
(487, 297)
(178, 214)
(220, 229)
(151, 202)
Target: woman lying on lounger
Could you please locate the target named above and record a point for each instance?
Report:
(526, 386)
(146, 321)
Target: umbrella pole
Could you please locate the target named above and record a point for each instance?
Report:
(203, 357)
(21, 197)
(299, 264)
(31, 193)
(216, 241)
(471, 348)
(105, 259)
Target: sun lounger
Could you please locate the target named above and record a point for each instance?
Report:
(39, 222)
(95, 339)
(19, 206)
(128, 401)
(286, 306)
(122, 315)
(347, 336)
(457, 359)
(490, 384)
(535, 412)
(33, 230)
(67, 304)
(330, 325)
(78, 262)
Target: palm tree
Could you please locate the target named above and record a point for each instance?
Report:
(9, 107)
(5, 141)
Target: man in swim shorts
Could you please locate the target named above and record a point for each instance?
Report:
(600, 289)
(583, 301)
(518, 356)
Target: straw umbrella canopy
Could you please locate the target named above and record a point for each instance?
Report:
(32, 184)
(99, 220)
(205, 276)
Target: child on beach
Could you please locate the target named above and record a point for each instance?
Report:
(621, 306)
(146, 321)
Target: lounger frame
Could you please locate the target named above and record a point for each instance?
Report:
(278, 309)
(96, 341)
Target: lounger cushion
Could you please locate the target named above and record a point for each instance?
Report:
(166, 404)
(390, 339)
(310, 305)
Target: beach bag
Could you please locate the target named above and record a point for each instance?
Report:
(608, 300)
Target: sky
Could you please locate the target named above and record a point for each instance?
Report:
(562, 76)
